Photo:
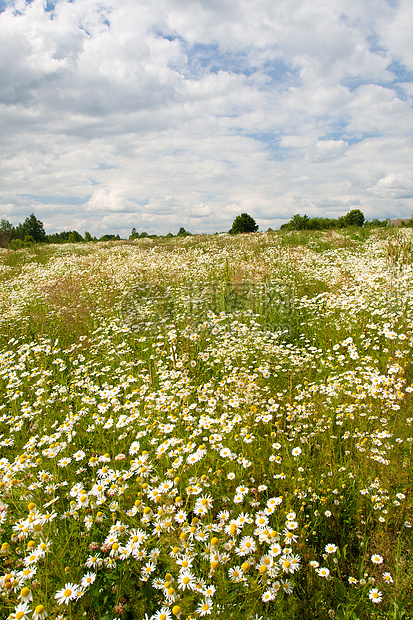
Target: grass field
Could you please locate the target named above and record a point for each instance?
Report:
(214, 426)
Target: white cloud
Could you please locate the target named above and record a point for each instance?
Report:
(174, 113)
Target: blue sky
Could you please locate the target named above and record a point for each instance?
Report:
(157, 114)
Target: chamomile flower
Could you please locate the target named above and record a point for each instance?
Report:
(87, 579)
(186, 580)
(205, 608)
(39, 612)
(67, 594)
(26, 595)
(268, 596)
(375, 595)
(163, 614)
(323, 572)
(21, 611)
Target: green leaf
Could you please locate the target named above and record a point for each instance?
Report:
(340, 589)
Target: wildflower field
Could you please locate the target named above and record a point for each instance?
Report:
(216, 426)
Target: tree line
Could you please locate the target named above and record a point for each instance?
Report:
(32, 229)
(352, 218)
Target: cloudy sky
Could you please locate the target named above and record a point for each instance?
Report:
(157, 114)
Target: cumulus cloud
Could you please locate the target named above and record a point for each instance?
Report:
(157, 115)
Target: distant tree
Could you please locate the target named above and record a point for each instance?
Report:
(75, 237)
(169, 236)
(108, 238)
(34, 228)
(19, 232)
(299, 222)
(182, 232)
(4, 239)
(376, 223)
(354, 218)
(88, 236)
(143, 235)
(133, 234)
(6, 227)
(62, 237)
(321, 223)
(243, 223)
(6, 233)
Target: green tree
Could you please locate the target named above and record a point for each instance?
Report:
(243, 223)
(376, 223)
(88, 236)
(183, 233)
(32, 227)
(354, 218)
(75, 237)
(133, 234)
(300, 222)
(6, 233)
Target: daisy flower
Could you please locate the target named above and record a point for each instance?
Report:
(376, 559)
(387, 578)
(186, 580)
(375, 595)
(87, 580)
(323, 572)
(274, 550)
(209, 591)
(39, 613)
(163, 614)
(287, 587)
(67, 594)
(26, 595)
(330, 548)
(205, 607)
(236, 574)
(21, 611)
(247, 545)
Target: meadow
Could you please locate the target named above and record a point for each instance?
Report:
(212, 426)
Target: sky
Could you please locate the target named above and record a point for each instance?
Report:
(157, 114)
